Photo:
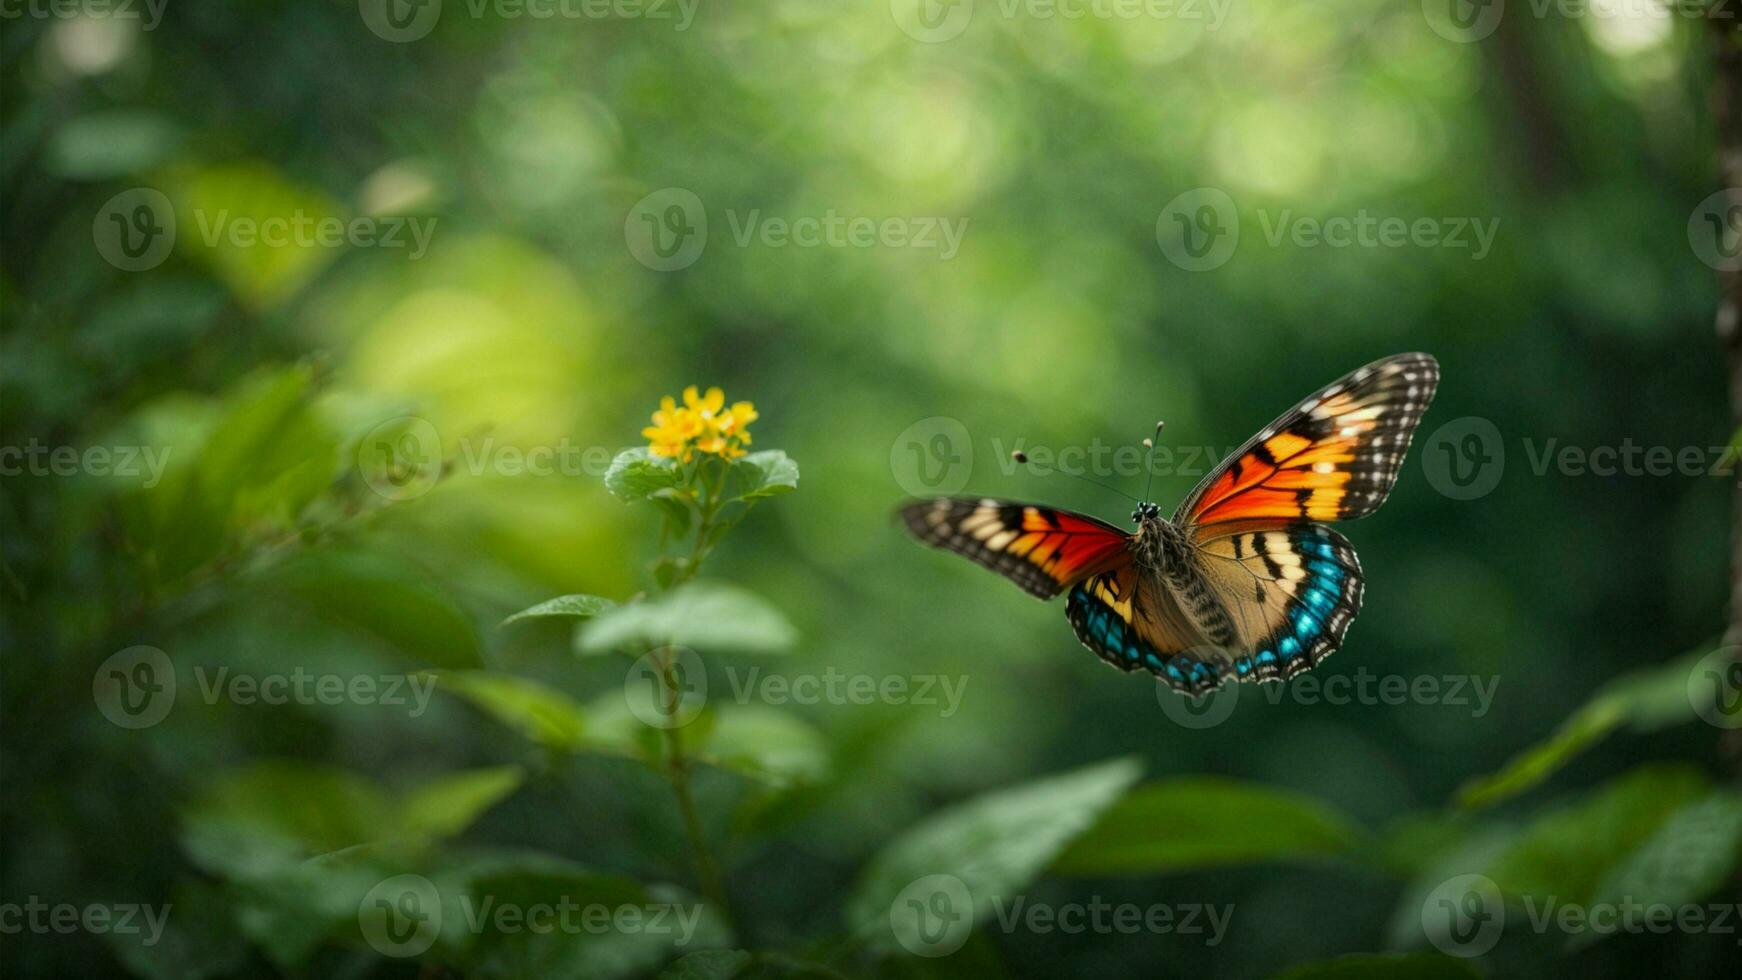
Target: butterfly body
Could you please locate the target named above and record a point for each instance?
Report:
(1243, 582)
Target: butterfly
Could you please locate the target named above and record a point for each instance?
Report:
(1245, 581)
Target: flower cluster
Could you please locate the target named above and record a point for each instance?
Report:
(702, 424)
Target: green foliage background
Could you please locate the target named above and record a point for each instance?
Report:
(1060, 321)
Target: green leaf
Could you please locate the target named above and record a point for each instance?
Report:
(579, 606)
(1586, 727)
(199, 939)
(1689, 857)
(610, 930)
(995, 845)
(543, 714)
(1474, 853)
(703, 616)
(254, 458)
(382, 596)
(311, 805)
(1646, 700)
(1384, 966)
(676, 509)
(448, 804)
(637, 474)
(613, 728)
(1568, 852)
(115, 143)
(1210, 822)
(312, 808)
(709, 964)
(768, 744)
(766, 474)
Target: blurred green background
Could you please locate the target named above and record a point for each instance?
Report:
(540, 155)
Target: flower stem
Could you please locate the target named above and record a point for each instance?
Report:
(678, 764)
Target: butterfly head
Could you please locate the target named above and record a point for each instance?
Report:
(1144, 513)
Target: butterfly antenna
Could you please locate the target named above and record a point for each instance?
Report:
(1022, 457)
(1149, 462)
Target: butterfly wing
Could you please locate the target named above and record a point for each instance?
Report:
(1039, 548)
(1333, 457)
(1133, 622)
(1290, 592)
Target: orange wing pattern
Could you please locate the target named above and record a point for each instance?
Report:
(1333, 457)
(1041, 549)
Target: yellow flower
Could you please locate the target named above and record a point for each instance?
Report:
(705, 406)
(738, 418)
(702, 424)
